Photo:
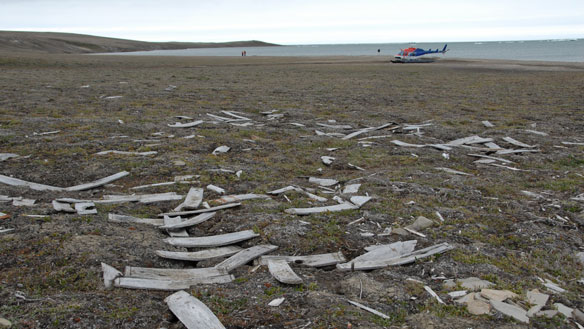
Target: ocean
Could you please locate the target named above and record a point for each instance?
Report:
(544, 50)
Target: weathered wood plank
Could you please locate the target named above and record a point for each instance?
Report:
(282, 272)
(245, 256)
(192, 312)
(310, 260)
(199, 255)
(41, 187)
(382, 253)
(189, 222)
(212, 241)
(114, 218)
(237, 198)
(200, 211)
(201, 274)
(186, 125)
(192, 200)
(167, 285)
(175, 232)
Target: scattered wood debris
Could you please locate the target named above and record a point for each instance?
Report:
(368, 309)
(6, 156)
(212, 241)
(320, 260)
(126, 153)
(221, 149)
(245, 256)
(186, 124)
(282, 272)
(199, 255)
(356, 203)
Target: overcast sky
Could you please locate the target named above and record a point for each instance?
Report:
(301, 21)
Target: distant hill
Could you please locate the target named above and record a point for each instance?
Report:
(69, 43)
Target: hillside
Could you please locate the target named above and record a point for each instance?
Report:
(68, 43)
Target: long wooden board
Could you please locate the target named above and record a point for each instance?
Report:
(192, 312)
(245, 256)
(212, 241)
(310, 260)
(199, 255)
(282, 272)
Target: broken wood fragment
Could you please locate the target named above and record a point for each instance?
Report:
(245, 256)
(382, 253)
(192, 312)
(368, 309)
(167, 285)
(319, 260)
(6, 156)
(192, 200)
(200, 274)
(41, 187)
(322, 181)
(199, 255)
(186, 125)
(452, 171)
(175, 232)
(189, 222)
(212, 241)
(517, 143)
(434, 294)
(221, 149)
(152, 185)
(200, 211)
(215, 189)
(487, 124)
(334, 126)
(469, 141)
(282, 272)
(238, 198)
(404, 144)
(366, 130)
(126, 153)
(114, 218)
(85, 208)
(109, 275)
(327, 160)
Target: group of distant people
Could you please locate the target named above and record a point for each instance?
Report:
(244, 53)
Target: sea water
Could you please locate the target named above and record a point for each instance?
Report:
(543, 50)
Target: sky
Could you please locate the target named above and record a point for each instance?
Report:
(301, 21)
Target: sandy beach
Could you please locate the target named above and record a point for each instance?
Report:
(58, 111)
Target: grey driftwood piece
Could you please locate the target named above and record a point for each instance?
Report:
(487, 124)
(299, 190)
(115, 218)
(109, 275)
(382, 253)
(356, 203)
(85, 208)
(319, 260)
(401, 260)
(221, 149)
(490, 158)
(175, 232)
(517, 143)
(452, 171)
(168, 285)
(323, 181)
(63, 206)
(502, 152)
(404, 144)
(186, 124)
(327, 160)
(334, 126)
(206, 274)
(160, 197)
(212, 241)
(199, 255)
(282, 272)
(6, 156)
(215, 189)
(189, 222)
(41, 187)
(141, 187)
(238, 198)
(126, 153)
(245, 256)
(192, 200)
(368, 309)
(192, 312)
(366, 130)
(220, 118)
(469, 141)
(236, 116)
(200, 211)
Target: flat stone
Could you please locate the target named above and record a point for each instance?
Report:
(580, 257)
(456, 294)
(478, 307)
(499, 295)
(473, 283)
(513, 311)
(449, 284)
(466, 299)
(538, 300)
(565, 310)
(420, 223)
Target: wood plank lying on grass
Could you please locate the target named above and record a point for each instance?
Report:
(245, 256)
(299, 190)
(282, 272)
(192, 200)
(199, 255)
(114, 218)
(126, 153)
(168, 285)
(109, 275)
(186, 124)
(356, 203)
(517, 151)
(192, 312)
(517, 143)
(469, 141)
(401, 260)
(188, 222)
(212, 241)
(319, 260)
(200, 211)
(366, 130)
(368, 309)
(41, 187)
(202, 274)
(382, 253)
(238, 198)
(152, 185)
(452, 171)
(491, 158)
(323, 181)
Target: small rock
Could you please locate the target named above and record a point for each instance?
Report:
(456, 294)
(478, 307)
(276, 302)
(449, 284)
(474, 283)
(420, 224)
(538, 300)
(578, 315)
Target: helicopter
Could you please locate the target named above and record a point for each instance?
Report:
(414, 55)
